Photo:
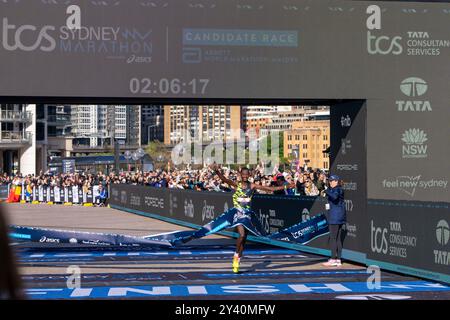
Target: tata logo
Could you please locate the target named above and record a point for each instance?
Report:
(413, 87)
(442, 232)
(378, 239)
(380, 44)
(414, 144)
(442, 257)
(12, 37)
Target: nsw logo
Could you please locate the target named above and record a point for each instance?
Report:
(414, 144)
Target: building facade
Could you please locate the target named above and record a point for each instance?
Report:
(15, 137)
(203, 123)
(306, 142)
(152, 123)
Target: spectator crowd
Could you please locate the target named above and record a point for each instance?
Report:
(308, 182)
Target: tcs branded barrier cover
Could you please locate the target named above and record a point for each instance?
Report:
(299, 233)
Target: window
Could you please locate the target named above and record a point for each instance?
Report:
(305, 137)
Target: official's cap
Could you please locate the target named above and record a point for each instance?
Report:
(334, 178)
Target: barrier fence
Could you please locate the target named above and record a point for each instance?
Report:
(4, 191)
(51, 195)
(420, 255)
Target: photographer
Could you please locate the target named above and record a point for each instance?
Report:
(336, 220)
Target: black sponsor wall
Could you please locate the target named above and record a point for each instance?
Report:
(155, 201)
(184, 205)
(198, 208)
(280, 212)
(397, 239)
(348, 161)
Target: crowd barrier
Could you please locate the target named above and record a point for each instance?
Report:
(194, 209)
(4, 191)
(52, 195)
(422, 255)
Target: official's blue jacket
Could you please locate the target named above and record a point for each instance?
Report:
(336, 214)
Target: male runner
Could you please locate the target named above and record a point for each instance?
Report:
(242, 197)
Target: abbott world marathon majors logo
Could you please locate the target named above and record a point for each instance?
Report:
(391, 240)
(416, 42)
(130, 45)
(414, 144)
(441, 256)
(414, 87)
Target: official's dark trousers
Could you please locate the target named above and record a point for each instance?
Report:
(336, 240)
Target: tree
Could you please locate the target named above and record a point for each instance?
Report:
(157, 150)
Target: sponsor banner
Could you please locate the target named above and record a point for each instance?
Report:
(58, 195)
(79, 238)
(233, 289)
(201, 207)
(395, 237)
(186, 205)
(281, 212)
(4, 191)
(302, 232)
(348, 161)
(363, 44)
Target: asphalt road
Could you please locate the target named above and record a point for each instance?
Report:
(199, 270)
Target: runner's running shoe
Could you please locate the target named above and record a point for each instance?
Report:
(236, 264)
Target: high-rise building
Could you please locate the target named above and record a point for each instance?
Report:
(258, 117)
(306, 142)
(152, 123)
(30, 134)
(283, 120)
(15, 139)
(205, 123)
(97, 125)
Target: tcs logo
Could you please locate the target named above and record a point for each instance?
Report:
(378, 239)
(380, 44)
(12, 37)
